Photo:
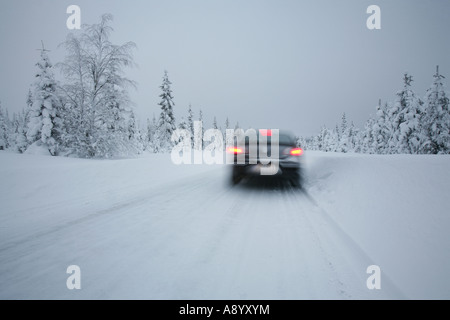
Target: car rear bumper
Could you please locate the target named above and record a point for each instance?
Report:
(276, 169)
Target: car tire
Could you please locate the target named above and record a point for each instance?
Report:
(236, 176)
(295, 179)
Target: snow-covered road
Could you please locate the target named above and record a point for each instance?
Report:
(145, 229)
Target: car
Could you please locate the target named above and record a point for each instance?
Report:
(251, 155)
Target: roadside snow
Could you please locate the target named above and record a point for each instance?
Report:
(396, 208)
(38, 191)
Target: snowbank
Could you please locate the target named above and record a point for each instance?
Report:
(37, 149)
(396, 208)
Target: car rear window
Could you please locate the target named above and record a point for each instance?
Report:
(284, 139)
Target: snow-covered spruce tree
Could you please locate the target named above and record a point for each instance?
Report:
(318, 142)
(27, 111)
(214, 125)
(381, 130)
(355, 136)
(310, 141)
(338, 136)
(4, 129)
(314, 143)
(200, 134)
(111, 130)
(150, 135)
(20, 139)
(435, 123)
(227, 124)
(228, 140)
(336, 139)
(320, 139)
(329, 140)
(135, 142)
(200, 118)
(344, 141)
(13, 129)
(182, 125)
(166, 122)
(301, 142)
(404, 116)
(305, 143)
(45, 123)
(190, 123)
(96, 90)
(145, 135)
(367, 139)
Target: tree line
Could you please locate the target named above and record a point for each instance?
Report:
(410, 124)
(89, 113)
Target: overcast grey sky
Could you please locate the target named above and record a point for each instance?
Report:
(265, 63)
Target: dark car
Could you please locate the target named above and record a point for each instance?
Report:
(266, 153)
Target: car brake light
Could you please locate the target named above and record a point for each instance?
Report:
(265, 132)
(296, 152)
(234, 150)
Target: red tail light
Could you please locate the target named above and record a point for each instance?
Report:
(235, 150)
(296, 152)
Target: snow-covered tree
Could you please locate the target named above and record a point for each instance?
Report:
(166, 123)
(367, 139)
(45, 123)
(134, 134)
(435, 122)
(338, 134)
(96, 90)
(355, 138)
(344, 123)
(328, 140)
(4, 129)
(20, 130)
(182, 125)
(381, 129)
(404, 116)
(228, 140)
(150, 134)
(190, 123)
(345, 139)
(200, 116)
(409, 125)
(201, 133)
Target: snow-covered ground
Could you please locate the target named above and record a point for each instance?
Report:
(147, 229)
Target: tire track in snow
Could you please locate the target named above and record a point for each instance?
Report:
(167, 191)
(147, 209)
(354, 255)
(194, 281)
(321, 257)
(261, 248)
(293, 278)
(166, 251)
